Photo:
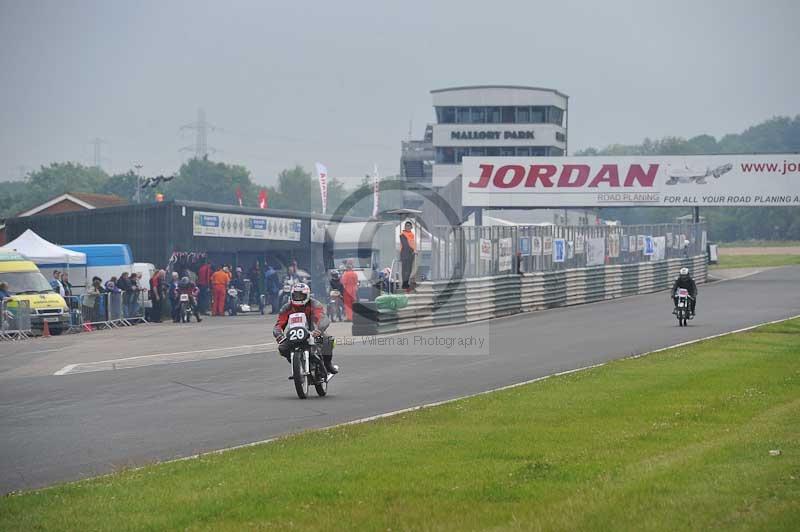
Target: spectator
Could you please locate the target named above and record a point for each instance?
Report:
(92, 301)
(174, 304)
(136, 291)
(350, 294)
(219, 286)
(55, 282)
(273, 287)
(156, 295)
(124, 285)
(163, 286)
(66, 284)
(408, 249)
(111, 286)
(204, 284)
(113, 300)
(258, 284)
(4, 293)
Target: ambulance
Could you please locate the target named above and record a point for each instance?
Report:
(29, 288)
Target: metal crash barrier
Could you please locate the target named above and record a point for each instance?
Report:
(489, 272)
(15, 320)
(107, 311)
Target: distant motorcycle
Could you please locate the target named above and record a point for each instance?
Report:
(306, 357)
(682, 307)
(335, 306)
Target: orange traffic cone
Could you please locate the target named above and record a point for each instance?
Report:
(88, 327)
(45, 330)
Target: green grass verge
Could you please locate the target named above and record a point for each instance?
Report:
(678, 440)
(756, 261)
(760, 244)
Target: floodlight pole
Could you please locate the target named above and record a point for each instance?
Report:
(138, 182)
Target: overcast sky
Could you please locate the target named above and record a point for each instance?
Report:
(295, 82)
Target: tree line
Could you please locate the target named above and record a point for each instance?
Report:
(726, 224)
(297, 189)
(195, 180)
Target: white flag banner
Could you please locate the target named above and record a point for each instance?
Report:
(375, 191)
(322, 173)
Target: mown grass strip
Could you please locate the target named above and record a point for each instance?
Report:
(760, 244)
(756, 261)
(676, 440)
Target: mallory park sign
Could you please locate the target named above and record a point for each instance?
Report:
(693, 180)
(490, 135)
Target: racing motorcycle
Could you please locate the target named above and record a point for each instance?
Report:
(186, 308)
(335, 305)
(305, 354)
(682, 307)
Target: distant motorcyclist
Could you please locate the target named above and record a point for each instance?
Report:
(686, 282)
(185, 286)
(300, 301)
(335, 281)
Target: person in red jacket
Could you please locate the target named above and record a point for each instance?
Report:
(204, 284)
(187, 287)
(300, 301)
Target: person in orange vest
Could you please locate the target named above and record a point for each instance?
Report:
(219, 286)
(408, 248)
(350, 294)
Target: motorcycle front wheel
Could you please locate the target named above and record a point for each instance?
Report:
(300, 380)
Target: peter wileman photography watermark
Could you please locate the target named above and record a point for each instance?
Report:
(438, 283)
(442, 341)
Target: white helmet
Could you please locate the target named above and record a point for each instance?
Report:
(684, 271)
(301, 294)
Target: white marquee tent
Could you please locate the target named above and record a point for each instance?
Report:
(45, 253)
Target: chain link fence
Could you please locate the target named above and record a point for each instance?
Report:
(468, 252)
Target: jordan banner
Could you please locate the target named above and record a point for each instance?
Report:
(680, 181)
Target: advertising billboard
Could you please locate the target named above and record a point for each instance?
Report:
(692, 180)
(226, 225)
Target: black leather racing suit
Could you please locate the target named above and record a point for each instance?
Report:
(686, 282)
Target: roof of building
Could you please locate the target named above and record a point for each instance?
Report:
(84, 199)
(478, 87)
(125, 208)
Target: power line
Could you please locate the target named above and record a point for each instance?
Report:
(201, 128)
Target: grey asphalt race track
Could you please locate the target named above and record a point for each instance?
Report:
(60, 428)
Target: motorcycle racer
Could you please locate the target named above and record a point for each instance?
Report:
(300, 301)
(686, 282)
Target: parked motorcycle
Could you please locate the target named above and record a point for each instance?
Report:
(186, 308)
(682, 307)
(335, 306)
(308, 369)
(233, 301)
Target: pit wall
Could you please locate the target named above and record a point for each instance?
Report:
(467, 300)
